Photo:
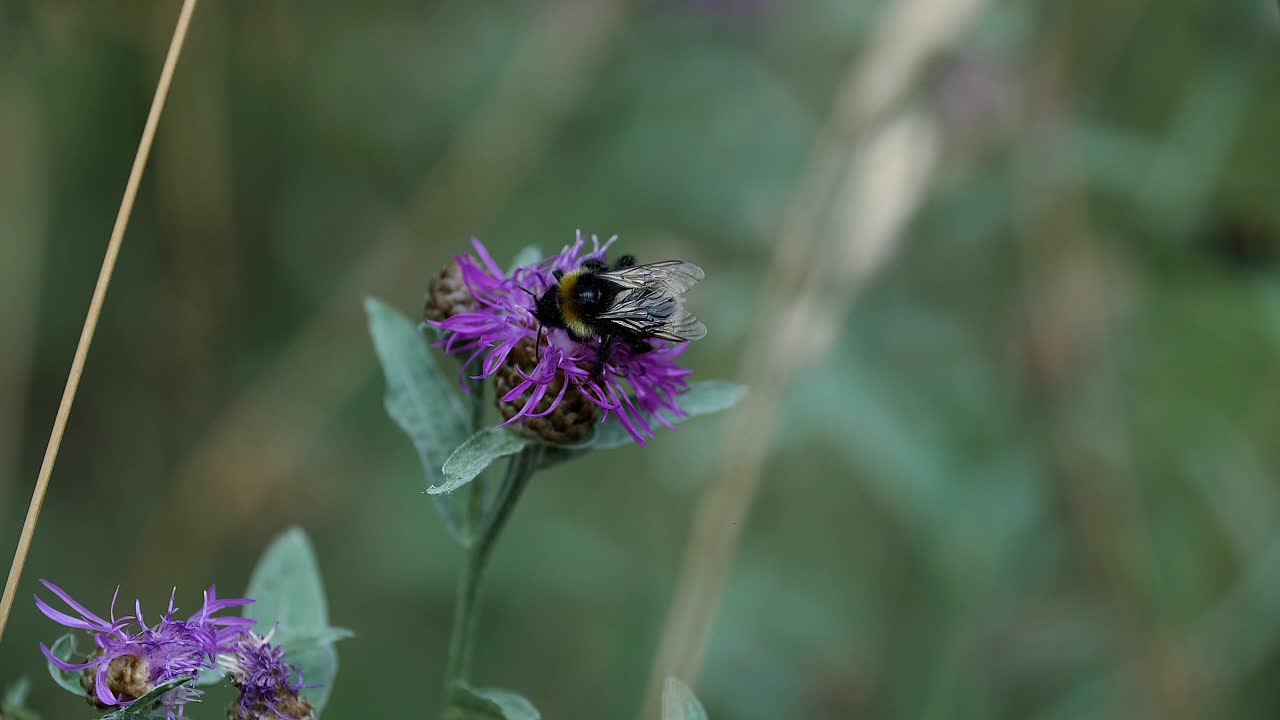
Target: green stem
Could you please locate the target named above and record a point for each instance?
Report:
(476, 490)
(520, 471)
(477, 403)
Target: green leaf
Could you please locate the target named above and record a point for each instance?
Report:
(419, 398)
(209, 678)
(321, 636)
(13, 707)
(319, 666)
(145, 707)
(476, 454)
(702, 398)
(528, 255)
(679, 702)
(16, 694)
(495, 703)
(287, 589)
(64, 648)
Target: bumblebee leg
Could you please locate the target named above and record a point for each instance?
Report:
(625, 261)
(640, 347)
(594, 265)
(607, 344)
(557, 274)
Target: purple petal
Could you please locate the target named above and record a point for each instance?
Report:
(488, 259)
(516, 391)
(598, 398)
(63, 664)
(630, 428)
(114, 595)
(66, 620)
(538, 393)
(217, 605)
(103, 692)
(555, 403)
(84, 612)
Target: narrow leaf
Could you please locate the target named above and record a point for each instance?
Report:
(16, 694)
(64, 648)
(14, 705)
(287, 589)
(679, 702)
(495, 703)
(702, 398)
(711, 396)
(476, 454)
(145, 706)
(419, 397)
(528, 255)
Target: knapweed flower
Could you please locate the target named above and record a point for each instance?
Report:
(500, 331)
(257, 668)
(133, 657)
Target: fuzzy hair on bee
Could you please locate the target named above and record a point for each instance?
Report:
(625, 303)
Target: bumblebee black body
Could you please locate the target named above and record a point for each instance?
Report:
(624, 303)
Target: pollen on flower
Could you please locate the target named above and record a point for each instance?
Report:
(639, 387)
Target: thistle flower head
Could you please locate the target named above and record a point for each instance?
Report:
(132, 657)
(267, 683)
(633, 385)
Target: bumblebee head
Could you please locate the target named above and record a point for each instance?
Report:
(546, 308)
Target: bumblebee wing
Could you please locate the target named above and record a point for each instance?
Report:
(670, 277)
(654, 314)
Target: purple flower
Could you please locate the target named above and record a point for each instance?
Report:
(132, 656)
(633, 385)
(258, 669)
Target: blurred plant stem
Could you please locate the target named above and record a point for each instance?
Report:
(23, 205)
(203, 279)
(870, 124)
(520, 470)
(1074, 305)
(95, 309)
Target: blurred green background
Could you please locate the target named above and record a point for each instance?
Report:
(1027, 472)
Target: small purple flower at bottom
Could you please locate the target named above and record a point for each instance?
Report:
(132, 657)
(636, 386)
(258, 669)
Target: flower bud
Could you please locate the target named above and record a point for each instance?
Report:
(448, 295)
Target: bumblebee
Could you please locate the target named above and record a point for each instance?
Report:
(627, 303)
